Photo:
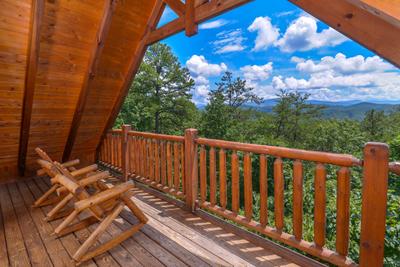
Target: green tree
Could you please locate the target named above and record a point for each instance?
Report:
(373, 124)
(160, 94)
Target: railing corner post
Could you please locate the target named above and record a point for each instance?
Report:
(125, 151)
(191, 168)
(374, 202)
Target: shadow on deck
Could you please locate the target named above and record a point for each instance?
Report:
(172, 237)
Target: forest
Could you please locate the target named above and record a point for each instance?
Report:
(160, 101)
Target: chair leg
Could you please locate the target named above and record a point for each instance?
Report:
(66, 222)
(99, 230)
(41, 201)
(51, 214)
(78, 226)
(111, 243)
(134, 209)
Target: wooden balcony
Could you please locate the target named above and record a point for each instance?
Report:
(172, 237)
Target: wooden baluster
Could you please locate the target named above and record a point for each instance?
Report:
(222, 178)
(235, 182)
(182, 147)
(298, 199)
(119, 145)
(151, 159)
(157, 161)
(125, 151)
(263, 191)
(146, 158)
(176, 166)
(320, 205)
(374, 204)
(191, 173)
(343, 211)
(248, 187)
(213, 178)
(203, 174)
(108, 156)
(278, 193)
(169, 164)
(141, 144)
(163, 164)
(137, 157)
(111, 151)
(132, 153)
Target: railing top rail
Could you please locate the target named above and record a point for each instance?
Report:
(115, 131)
(172, 138)
(316, 156)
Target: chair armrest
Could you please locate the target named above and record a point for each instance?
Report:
(103, 196)
(87, 181)
(84, 170)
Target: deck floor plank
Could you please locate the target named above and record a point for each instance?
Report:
(36, 250)
(172, 237)
(56, 251)
(17, 252)
(3, 243)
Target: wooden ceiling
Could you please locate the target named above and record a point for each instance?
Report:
(66, 65)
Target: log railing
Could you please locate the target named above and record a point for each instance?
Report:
(206, 173)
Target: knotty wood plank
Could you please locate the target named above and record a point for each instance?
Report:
(109, 7)
(177, 245)
(3, 245)
(57, 253)
(17, 252)
(34, 245)
(141, 254)
(228, 246)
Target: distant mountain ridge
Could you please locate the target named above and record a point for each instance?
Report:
(352, 109)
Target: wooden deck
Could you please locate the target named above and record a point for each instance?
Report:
(172, 237)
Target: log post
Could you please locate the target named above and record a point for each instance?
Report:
(125, 151)
(191, 168)
(374, 201)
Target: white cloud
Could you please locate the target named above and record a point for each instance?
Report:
(285, 13)
(303, 35)
(229, 41)
(257, 72)
(213, 24)
(199, 66)
(200, 70)
(341, 64)
(343, 78)
(267, 34)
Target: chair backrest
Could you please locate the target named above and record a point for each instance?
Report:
(43, 154)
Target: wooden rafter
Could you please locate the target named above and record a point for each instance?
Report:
(202, 11)
(177, 6)
(374, 24)
(89, 76)
(30, 79)
(190, 24)
(136, 59)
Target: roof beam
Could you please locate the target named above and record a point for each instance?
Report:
(37, 10)
(89, 75)
(190, 25)
(136, 59)
(374, 24)
(202, 12)
(177, 6)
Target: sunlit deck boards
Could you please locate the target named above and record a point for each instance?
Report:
(172, 237)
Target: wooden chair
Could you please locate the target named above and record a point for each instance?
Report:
(49, 197)
(104, 207)
(60, 208)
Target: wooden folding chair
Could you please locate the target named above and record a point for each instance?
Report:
(49, 197)
(104, 207)
(64, 197)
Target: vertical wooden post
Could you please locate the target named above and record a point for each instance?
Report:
(374, 200)
(191, 168)
(125, 151)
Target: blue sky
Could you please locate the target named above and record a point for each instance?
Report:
(279, 46)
